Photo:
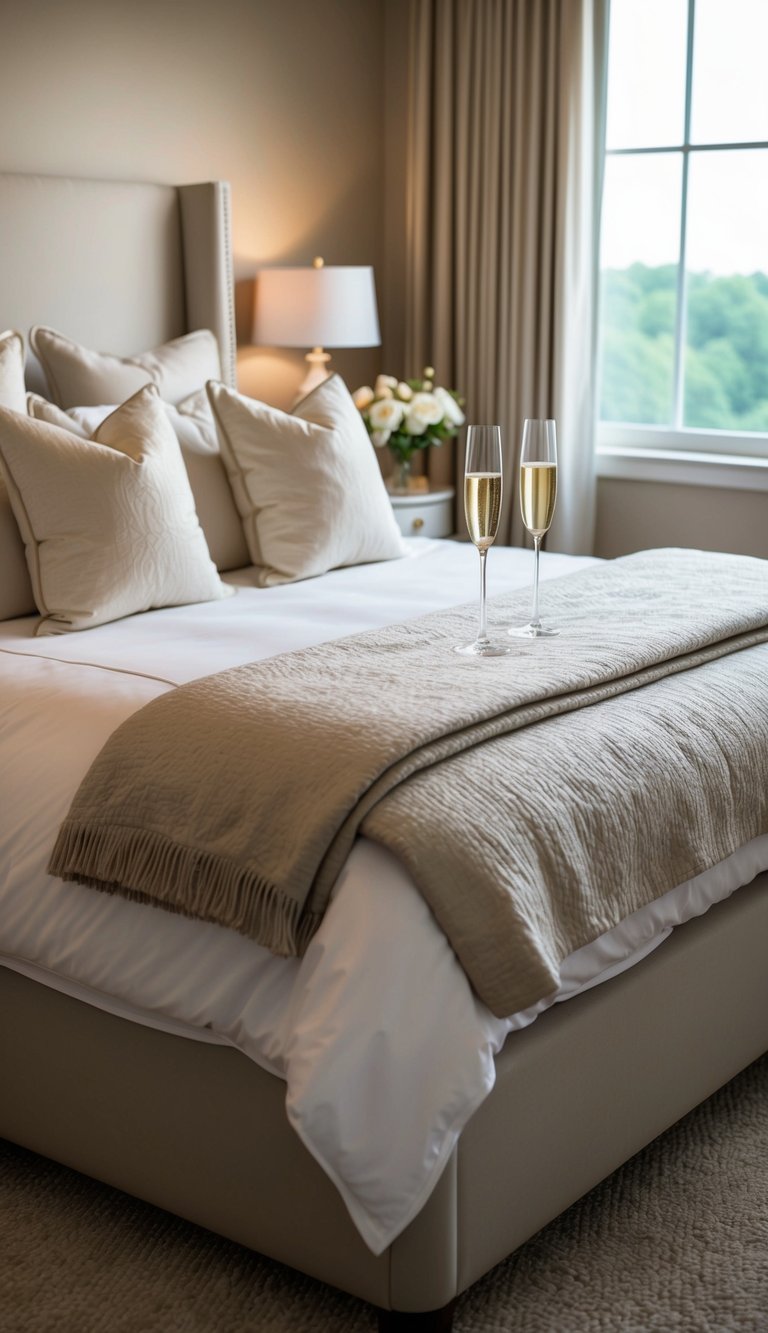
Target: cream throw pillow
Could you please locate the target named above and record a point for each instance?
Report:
(78, 377)
(109, 523)
(196, 432)
(307, 484)
(15, 589)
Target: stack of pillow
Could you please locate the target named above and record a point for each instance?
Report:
(106, 511)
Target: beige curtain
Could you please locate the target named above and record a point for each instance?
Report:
(502, 216)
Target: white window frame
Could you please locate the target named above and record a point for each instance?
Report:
(679, 453)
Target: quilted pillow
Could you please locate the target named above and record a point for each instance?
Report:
(15, 588)
(109, 523)
(78, 377)
(196, 433)
(307, 483)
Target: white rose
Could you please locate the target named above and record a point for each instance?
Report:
(386, 414)
(451, 410)
(384, 386)
(380, 437)
(362, 397)
(404, 392)
(414, 425)
(425, 407)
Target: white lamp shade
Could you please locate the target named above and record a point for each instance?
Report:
(316, 307)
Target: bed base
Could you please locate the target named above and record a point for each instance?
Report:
(201, 1131)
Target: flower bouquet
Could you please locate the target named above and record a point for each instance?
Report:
(408, 415)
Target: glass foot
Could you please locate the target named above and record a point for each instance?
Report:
(482, 648)
(531, 631)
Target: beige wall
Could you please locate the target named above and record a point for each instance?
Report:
(633, 515)
(280, 97)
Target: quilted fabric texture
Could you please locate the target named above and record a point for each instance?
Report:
(196, 433)
(109, 524)
(307, 483)
(78, 377)
(587, 747)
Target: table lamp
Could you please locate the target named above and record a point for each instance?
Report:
(318, 307)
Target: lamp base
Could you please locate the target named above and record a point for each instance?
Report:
(317, 361)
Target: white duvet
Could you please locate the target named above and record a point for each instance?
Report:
(377, 1097)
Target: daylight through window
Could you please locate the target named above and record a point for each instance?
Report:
(684, 236)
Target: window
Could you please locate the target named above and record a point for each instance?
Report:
(683, 345)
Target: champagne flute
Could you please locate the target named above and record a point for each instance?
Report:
(482, 507)
(538, 491)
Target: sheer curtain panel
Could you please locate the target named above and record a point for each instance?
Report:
(503, 180)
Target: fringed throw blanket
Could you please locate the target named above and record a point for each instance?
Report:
(536, 799)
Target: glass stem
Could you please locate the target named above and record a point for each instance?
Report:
(482, 632)
(535, 613)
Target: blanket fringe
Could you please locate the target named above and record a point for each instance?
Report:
(203, 885)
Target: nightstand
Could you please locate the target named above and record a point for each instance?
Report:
(425, 514)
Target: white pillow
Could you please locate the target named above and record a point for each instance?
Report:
(109, 524)
(196, 432)
(78, 377)
(16, 597)
(307, 484)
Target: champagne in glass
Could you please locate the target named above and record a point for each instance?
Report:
(482, 507)
(538, 492)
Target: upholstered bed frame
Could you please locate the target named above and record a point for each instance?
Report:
(199, 1129)
(118, 266)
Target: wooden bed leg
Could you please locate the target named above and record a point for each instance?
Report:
(432, 1321)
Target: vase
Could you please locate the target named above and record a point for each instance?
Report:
(400, 481)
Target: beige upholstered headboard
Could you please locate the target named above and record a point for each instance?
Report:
(118, 266)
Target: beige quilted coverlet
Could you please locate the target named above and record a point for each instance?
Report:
(536, 799)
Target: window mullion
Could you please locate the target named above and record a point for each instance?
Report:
(681, 318)
(724, 147)
(681, 321)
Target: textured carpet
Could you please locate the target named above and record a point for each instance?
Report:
(675, 1240)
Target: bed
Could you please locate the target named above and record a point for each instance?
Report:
(191, 1118)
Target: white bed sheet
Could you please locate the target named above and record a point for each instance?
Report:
(378, 1098)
